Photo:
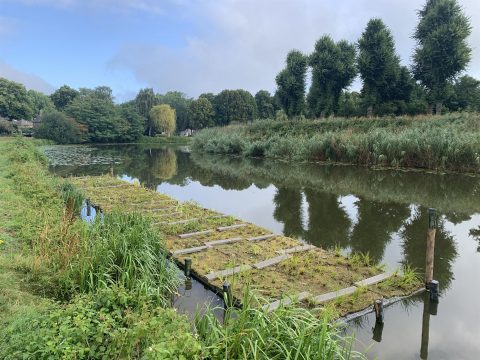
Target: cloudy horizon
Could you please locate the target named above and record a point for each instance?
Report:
(186, 45)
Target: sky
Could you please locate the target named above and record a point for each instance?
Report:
(192, 46)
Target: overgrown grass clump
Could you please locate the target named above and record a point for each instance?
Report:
(123, 250)
(286, 333)
(450, 142)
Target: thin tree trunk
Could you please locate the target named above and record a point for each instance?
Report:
(430, 109)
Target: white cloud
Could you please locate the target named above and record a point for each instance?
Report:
(29, 80)
(248, 40)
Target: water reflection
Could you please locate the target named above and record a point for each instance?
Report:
(383, 213)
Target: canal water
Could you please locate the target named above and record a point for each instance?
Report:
(379, 212)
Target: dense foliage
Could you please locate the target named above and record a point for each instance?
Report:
(164, 119)
(14, 101)
(113, 323)
(333, 69)
(58, 127)
(442, 49)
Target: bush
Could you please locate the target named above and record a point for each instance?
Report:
(112, 324)
(58, 127)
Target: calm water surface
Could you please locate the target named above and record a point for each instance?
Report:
(383, 213)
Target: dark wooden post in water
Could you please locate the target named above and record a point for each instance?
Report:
(188, 267)
(432, 226)
(425, 327)
(378, 306)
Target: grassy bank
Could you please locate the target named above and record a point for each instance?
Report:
(69, 290)
(450, 142)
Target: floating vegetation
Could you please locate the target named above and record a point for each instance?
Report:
(273, 266)
(77, 155)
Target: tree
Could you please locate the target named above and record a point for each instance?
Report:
(163, 118)
(200, 113)
(40, 102)
(442, 51)
(333, 69)
(14, 101)
(135, 121)
(94, 108)
(58, 127)
(378, 64)
(234, 105)
(144, 101)
(465, 94)
(290, 92)
(178, 101)
(349, 104)
(63, 96)
(265, 105)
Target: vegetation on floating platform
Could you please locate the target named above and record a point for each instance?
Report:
(314, 270)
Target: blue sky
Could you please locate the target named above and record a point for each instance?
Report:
(193, 46)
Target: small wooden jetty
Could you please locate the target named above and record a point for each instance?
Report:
(222, 248)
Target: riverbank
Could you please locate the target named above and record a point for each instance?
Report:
(441, 143)
(73, 290)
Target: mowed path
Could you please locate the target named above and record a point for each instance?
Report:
(223, 248)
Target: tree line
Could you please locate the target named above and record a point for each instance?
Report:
(433, 82)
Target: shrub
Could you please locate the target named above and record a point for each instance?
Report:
(112, 324)
(6, 127)
(58, 127)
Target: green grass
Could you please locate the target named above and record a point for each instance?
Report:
(286, 333)
(450, 142)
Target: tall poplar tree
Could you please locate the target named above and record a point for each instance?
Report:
(442, 50)
(291, 84)
(378, 64)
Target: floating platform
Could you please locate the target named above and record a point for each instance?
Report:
(280, 269)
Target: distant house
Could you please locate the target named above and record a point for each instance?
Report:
(23, 124)
(187, 132)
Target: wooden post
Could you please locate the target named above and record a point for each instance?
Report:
(432, 225)
(89, 208)
(188, 284)
(378, 307)
(188, 267)
(111, 170)
(425, 328)
(377, 332)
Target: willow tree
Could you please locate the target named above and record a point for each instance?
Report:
(291, 84)
(442, 50)
(163, 119)
(333, 69)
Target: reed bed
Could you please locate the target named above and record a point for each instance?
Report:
(450, 142)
